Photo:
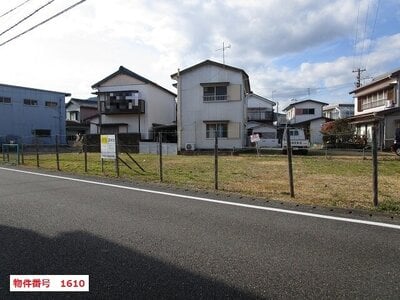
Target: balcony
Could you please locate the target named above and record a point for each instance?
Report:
(123, 107)
(209, 98)
(262, 116)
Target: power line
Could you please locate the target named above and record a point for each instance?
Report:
(356, 35)
(373, 31)
(308, 92)
(11, 10)
(43, 22)
(27, 17)
(292, 90)
(364, 35)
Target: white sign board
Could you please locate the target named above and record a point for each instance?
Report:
(107, 143)
(255, 138)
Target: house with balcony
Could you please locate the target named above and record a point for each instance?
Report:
(260, 117)
(259, 109)
(338, 111)
(130, 103)
(78, 115)
(31, 115)
(307, 114)
(211, 101)
(378, 103)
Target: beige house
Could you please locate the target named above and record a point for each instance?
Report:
(130, 103)
(378, 102)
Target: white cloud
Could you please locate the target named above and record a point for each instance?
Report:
(154, 38)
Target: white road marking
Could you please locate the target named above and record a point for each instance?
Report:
(286, 211)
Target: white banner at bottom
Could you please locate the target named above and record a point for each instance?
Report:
(49, 283)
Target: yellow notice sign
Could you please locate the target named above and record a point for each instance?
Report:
(108, 149)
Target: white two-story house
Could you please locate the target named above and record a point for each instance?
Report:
(260, 117)
(307, 114)
(338, 111)
(378, 102)
(211, 100)
(130, 103)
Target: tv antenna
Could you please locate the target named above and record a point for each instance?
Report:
(223, 51)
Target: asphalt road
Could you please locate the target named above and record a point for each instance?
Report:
(136, 244)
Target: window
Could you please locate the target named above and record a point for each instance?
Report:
(347, 113)
(305, 111)
(220, 128)
(30, 102)
(73, 115)
(267, 135)
(260, 114)
(308, 111)
(51, 104)
(215, 93)
(5, 100)
(373, 100)
(41, 132)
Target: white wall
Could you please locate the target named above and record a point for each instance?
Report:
(161, 107)
(154, 148)
(255, 102)
(121, 80)
(193, 111)
(315, 132)
(293, 118)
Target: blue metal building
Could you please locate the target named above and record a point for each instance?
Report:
(29, 115)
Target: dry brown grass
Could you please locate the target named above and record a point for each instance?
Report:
(340, 181)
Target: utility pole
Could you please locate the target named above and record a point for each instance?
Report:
(223, 51)
(358, 77)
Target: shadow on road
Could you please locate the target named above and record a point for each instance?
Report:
(114, 271)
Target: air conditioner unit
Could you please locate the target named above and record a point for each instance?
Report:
(189, 146)
(388, 103)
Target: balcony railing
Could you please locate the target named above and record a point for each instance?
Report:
(261, 116)
(215, 98)
(124, 107)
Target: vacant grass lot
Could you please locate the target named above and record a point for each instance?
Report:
(337, 181)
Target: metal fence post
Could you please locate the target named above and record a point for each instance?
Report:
(374, 165)
(160, 153)
(57, 154)
(37, 152)
(22, 154)
(326, 150)
(216, 161)
(290, 164)
(116, 155)
(85, 152)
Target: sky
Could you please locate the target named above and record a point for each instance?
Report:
(294, 49)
